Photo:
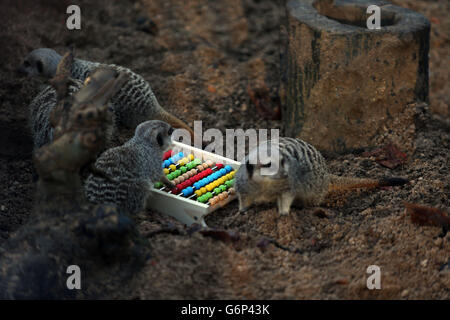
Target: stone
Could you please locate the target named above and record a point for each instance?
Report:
(343, 86)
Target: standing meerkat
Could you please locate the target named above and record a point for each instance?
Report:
(302, 177)
(124, 175)
(133, 104)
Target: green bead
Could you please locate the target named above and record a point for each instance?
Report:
(183, 169)
(209, 195)
(201, 198)
(217, 190)
(170, 176)
(177, 173)
(158, 185)
(223, 188)
(197, 161)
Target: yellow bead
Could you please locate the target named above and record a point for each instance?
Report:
(229, 176)
(198, 192)
(166, 171)
(203, 190)
(191, 157)
(209, 187)
(233, 173)
(173, 167)
(222, 180)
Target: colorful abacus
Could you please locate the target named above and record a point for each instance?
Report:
(203, 183)
(206, 182)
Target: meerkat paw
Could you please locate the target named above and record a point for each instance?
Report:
(244, 210)
(169, 184)
(284, 202)
(244, 204)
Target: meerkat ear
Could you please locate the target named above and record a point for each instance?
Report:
(159, 139)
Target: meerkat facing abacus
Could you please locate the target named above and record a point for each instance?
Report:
(124, 175)
(302, 177)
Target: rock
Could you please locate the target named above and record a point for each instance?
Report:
(345, 85)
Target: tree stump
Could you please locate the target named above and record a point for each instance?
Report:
(343, 85)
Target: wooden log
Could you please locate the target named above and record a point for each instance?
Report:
(345, 85)
(80, 124)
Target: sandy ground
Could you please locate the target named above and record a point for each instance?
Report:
(200, 57)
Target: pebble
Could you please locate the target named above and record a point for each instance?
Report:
(438, 242)
(424, 263)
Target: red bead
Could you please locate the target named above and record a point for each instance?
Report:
(219, 165)
(176, 190)
(167, 155)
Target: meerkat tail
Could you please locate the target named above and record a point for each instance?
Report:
(174, 122)
(338, 183)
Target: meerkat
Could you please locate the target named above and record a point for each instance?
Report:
(39, 117)
(124, 175)
(133, 104)
(302, 177)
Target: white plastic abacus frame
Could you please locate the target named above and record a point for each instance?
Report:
(189, 211)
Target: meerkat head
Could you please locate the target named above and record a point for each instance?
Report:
(41, 62)
(265, 163)
(154, 133)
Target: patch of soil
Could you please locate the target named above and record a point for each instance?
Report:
(217, 61)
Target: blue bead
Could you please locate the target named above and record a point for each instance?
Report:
(228, 168)
(188, 191)
(166, 163)
(180, 154)
(197, 185)
(222, 171)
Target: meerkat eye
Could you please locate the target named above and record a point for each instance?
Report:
(159, 139)
(40, 66)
